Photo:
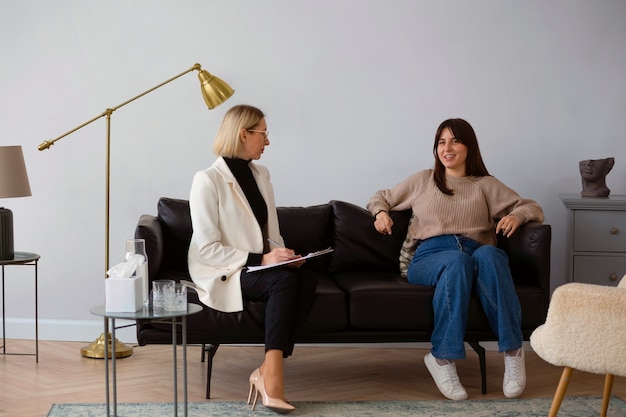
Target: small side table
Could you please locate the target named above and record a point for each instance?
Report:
(155, 316)
(30, 259)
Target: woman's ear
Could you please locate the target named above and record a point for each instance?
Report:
(243, 135)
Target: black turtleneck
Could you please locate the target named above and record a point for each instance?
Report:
(243, 174)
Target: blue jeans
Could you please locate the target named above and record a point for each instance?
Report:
(457, 266)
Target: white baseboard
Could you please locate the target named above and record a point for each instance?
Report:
(67, 330)
(89, 330)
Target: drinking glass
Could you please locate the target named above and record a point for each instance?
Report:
(176, 298)
(161, 290)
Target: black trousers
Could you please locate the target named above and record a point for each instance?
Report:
(289, 294)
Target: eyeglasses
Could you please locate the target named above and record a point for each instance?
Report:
(265, 133)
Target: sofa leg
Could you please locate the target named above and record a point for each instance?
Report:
(480, 351)
(211, 350)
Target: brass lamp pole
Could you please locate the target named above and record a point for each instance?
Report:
(215, 92)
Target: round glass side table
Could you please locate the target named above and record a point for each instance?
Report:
(173, 317)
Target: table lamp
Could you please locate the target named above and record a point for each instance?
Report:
(214, 92)
(13, 183)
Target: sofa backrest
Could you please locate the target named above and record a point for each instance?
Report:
(175, 219)
(346, 227)
(305, 229)
(349, 229)
(358, 246)
(308, 229)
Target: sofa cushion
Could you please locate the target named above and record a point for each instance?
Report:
(381, 301)
(359, 247)
(176, 219)
(385, 301)
(329, 312)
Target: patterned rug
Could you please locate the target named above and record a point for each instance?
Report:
(571, 407)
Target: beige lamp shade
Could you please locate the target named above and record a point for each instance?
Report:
(13, 176)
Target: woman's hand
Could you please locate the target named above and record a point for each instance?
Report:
(278, 255)
(383, 223)
(508, 225)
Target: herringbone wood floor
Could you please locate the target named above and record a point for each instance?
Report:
(313, 373)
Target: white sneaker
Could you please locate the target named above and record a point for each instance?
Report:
(446, 378)
(514, 380)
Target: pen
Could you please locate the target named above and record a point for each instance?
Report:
(273, 242)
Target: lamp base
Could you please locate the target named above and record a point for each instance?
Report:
(6, 235)
(95, 349)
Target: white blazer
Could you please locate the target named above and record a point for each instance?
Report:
(225, 231)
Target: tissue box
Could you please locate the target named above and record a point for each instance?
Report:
(123, 295)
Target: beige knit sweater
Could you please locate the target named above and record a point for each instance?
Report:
(473, 210)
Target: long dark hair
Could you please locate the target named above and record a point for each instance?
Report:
(474, 165)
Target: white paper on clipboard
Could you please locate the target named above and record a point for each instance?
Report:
(309, 256)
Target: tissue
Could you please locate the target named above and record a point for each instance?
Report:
(123, 292)
(126, 269)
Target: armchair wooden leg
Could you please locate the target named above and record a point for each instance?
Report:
(606, 395)
(560, 391)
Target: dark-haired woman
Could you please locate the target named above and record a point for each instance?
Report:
(458, 209)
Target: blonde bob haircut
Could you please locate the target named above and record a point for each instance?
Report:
(240, 117)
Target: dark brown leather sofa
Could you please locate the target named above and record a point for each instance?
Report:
(361, 297)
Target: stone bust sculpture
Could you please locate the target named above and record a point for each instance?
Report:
(593, 174)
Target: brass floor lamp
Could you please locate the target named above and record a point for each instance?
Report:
(215, 92)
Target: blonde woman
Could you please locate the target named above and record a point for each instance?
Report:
(235, 225)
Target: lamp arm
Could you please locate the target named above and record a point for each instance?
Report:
(195, 67)
(47, 143)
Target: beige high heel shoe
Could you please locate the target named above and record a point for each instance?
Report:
(257, 385)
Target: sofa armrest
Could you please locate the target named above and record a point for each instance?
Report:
(149, 228)
(529, 255)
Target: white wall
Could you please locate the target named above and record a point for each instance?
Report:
(353, 90)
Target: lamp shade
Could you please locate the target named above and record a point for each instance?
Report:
(13, 176)
(214, 90)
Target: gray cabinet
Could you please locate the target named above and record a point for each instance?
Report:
(596, 238)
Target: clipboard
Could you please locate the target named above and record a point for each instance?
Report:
(308, 256)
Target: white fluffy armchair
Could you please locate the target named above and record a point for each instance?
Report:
(585, 329)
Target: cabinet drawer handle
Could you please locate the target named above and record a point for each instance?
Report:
(613, 277)
(614, 230)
